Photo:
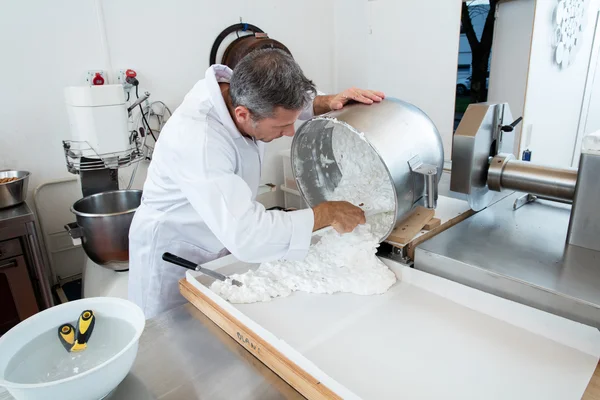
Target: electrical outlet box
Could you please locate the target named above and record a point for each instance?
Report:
(121, 76)
(89, 76)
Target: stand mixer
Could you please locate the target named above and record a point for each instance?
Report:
(102, 143)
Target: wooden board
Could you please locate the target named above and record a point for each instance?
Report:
(324, 339)
(411, 225)
(591, 393)
(593, 390)
(434, 223)
(277, 362)
(450, 211)
(412, 245)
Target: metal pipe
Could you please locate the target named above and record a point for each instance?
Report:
(505, 172)
(554, 183)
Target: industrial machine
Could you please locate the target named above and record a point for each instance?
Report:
(539, 246)
(534, 237)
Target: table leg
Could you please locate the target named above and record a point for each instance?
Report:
(38, 264)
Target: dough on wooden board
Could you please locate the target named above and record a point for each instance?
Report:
(336, 263)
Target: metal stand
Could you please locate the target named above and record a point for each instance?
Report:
(429, 173)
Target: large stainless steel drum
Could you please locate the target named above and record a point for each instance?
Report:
(401, 134)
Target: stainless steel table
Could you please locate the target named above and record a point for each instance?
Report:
(184, 356)
(19, 222)
(519, 255)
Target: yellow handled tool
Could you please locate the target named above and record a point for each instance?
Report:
(66, 334)
(75, 339)
(85, 326)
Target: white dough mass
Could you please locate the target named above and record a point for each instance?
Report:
(337, 263)
(365, 181)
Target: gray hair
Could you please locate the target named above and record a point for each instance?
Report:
(268, 78)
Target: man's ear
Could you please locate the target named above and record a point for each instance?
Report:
(242, 114)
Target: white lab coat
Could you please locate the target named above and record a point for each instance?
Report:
(199, 200)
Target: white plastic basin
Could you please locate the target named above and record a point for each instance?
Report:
(34, 364)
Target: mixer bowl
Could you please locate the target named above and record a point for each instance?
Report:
(103, 222)
(396, 130)
(13, 193)
(32, 348)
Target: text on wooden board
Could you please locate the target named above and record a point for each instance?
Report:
(247, 342)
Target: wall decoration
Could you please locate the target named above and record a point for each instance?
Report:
(569, 23)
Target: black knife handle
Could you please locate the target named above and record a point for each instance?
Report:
(182, 262)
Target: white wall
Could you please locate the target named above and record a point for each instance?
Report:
(593, 120)
(510, 57)
(47, 46)
(352, 29)
(408, 49)
(44, 47)
(592, 123)
(590, 117)
(554, 96)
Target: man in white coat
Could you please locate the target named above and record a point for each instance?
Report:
(199, 198)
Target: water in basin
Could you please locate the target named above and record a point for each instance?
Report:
(45, 359)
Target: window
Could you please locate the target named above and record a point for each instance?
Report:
(475, 45)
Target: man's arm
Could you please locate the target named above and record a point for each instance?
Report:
(204, 171)
(324, 104)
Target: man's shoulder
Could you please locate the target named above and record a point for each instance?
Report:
(201, 130)
(197, 102)
(196, 113)
(198, 107)
(196, 124)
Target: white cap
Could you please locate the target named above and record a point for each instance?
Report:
(591, 143)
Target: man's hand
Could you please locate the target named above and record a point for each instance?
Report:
(341, 215)
(353, 94)
(324, 104)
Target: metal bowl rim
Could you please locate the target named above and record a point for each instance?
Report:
(363, 136)
(89, 215)
(27, 175)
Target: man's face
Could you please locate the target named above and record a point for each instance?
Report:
(267, 129)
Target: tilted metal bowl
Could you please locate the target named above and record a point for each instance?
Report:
(396, 130)
(14, 192)
(103, 222)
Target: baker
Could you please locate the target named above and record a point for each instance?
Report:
(199, 198)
